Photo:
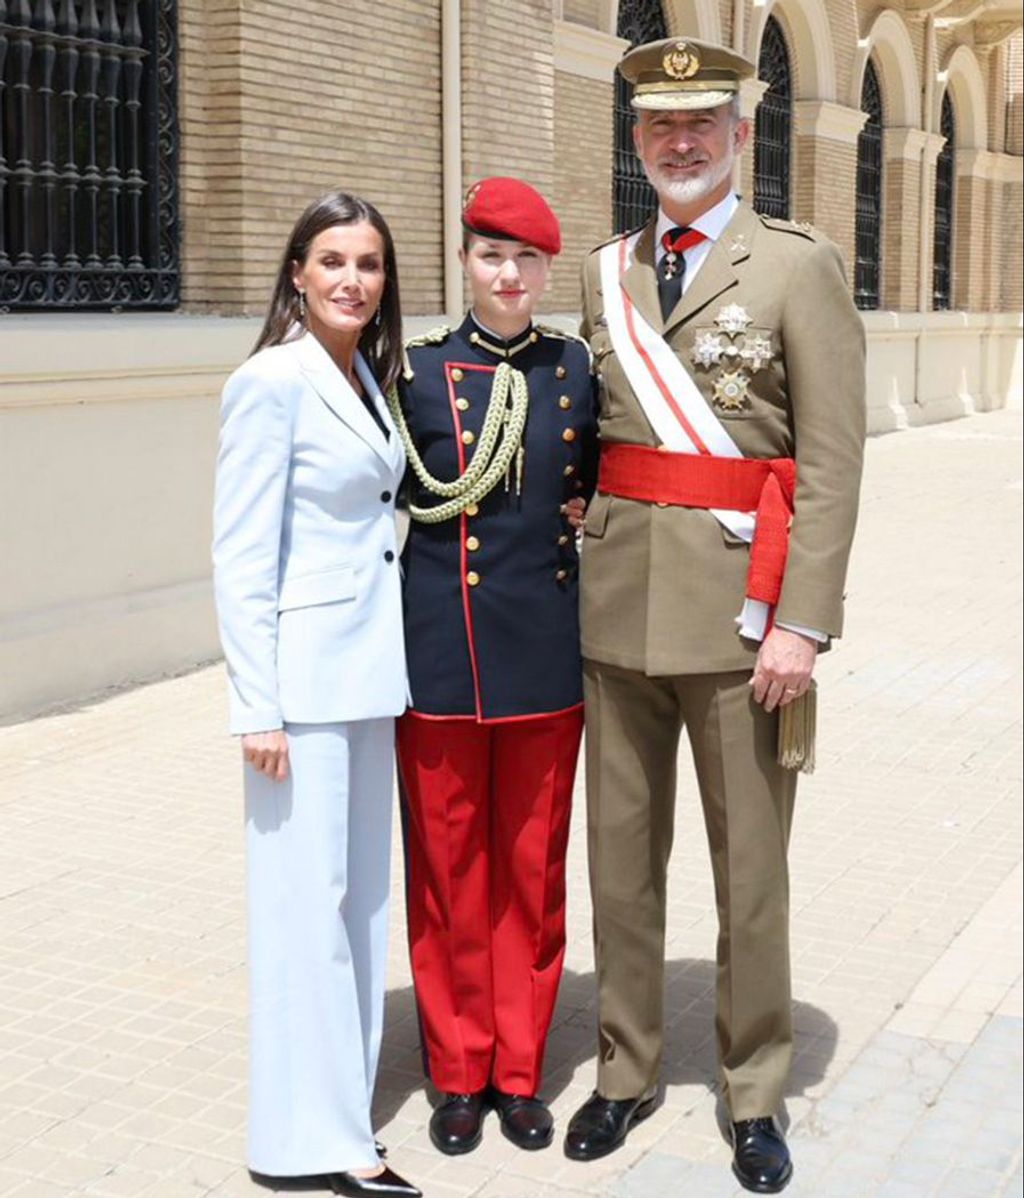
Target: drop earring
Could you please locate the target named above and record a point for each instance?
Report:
(302, 307)
(376, 318)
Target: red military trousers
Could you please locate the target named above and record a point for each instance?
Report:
(487, 821)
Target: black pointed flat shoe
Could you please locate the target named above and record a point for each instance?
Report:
(386, 1184)
(761, 1160)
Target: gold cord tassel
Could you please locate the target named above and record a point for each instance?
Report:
(797, 729)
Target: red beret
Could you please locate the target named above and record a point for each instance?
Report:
(510, 208)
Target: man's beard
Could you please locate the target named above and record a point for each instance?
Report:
(689, 191)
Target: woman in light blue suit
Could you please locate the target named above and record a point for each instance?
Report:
(308, 598)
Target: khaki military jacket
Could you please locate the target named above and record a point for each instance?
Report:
(661, 586)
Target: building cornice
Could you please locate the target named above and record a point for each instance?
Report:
(591, 53)
(833, 122)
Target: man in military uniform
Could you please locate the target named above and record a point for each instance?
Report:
(731, 364)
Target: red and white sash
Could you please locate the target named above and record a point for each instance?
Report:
(670, 399)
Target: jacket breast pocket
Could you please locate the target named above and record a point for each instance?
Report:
(334, 585)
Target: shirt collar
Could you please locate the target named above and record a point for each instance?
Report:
(711, 223)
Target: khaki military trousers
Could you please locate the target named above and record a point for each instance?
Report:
(632, 733)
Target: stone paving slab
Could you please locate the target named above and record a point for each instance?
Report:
(122, 979)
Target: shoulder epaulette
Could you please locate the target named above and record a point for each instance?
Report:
(435, 336)
(616, 237)
(802, 228)
(549, 330)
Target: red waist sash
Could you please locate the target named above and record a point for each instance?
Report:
(762, 485)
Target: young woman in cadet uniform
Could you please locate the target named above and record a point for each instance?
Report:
(498, 420)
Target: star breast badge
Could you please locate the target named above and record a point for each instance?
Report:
(735, 352)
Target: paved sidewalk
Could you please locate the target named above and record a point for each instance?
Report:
(122, 979)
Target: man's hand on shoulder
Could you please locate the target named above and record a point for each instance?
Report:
(784, 667)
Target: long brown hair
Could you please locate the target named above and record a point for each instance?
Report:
(381, 341)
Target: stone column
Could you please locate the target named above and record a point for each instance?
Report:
(584, 63)
(971, 224)
(930, 151)
(826, 151)
(901, 216)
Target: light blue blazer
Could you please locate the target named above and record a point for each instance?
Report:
(306, 573)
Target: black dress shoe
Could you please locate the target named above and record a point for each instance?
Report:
(760, 1157)
(526, 1122)
(385, 1185)
(455, 1125)
(602, 1124)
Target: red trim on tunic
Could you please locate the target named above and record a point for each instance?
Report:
(498, 719)
(663, 387)
(464, 527)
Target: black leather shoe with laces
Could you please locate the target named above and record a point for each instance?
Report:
(760, 1159)
(526, 1122)
(602, 1124)
(455, 1125)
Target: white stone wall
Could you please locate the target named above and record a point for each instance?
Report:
(108, 428)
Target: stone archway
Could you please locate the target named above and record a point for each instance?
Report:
(888, 40)
(807, 23)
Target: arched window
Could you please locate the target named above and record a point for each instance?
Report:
(88, 155)
(867, 281)
(633, 197)
(773, 125)
(942, 269)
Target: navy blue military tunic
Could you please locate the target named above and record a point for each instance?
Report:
(491, 613)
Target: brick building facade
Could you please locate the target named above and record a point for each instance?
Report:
(108, 408)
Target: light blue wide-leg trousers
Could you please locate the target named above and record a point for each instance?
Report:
(318, 850)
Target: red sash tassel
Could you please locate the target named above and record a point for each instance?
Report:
(762, 485)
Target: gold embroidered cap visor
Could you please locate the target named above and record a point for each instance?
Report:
(684, 73)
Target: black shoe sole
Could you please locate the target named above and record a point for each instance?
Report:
(764, 1188)
(643, 1111)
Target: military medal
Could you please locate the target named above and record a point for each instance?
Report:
(671, 264)
(733, 319)
(731, 390)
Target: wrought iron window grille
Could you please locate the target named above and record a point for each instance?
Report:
(88, 155)
(868, 236)
(773, 125)
(633, 198)
(942, 247)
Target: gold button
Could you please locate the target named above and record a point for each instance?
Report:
(468, 437)
(562, 575)
(659, 503)
(534, 338)
(560, 372)
(457, 374)
(472, 509)
(569, 471)
(569, 434)
(462, 404)
(563, 539)
(473, 578)
(472, 543)
(565, 403)
(474, 337)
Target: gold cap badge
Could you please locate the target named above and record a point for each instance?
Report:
(681, 61)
